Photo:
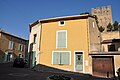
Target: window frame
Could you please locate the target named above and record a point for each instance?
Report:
(21, 47)
(57, 38)
(34, 38)
(60, 23)
(93, 23)
(54, 52)
(11, 45)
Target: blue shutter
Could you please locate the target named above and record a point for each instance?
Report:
(33, 58)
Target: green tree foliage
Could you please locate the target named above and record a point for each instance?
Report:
(101, 29)
(109, 27)
(115, 25)
(85, 13)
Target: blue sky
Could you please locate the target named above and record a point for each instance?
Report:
(16, 15)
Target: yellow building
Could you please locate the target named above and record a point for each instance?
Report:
(11, 47)
(65, 42)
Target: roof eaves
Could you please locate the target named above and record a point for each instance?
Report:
(12, 35)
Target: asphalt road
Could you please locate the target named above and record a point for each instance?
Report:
(7, 72)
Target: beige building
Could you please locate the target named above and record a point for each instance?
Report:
(104, 15)
(109, 57)
(11, 47)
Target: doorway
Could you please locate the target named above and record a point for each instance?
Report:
(78, 59)
(105, 68)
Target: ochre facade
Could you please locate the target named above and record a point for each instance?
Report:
(81, 37)
(9, 54)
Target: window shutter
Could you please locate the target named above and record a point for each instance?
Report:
(61, 39)
(9, 45)
(56, 58)
(12, 44)
(18, 46)
(22, 47)
(5, 58)
(65, 58)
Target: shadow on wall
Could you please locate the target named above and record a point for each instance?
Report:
(1, 56)
(41, 67)
(48, 69)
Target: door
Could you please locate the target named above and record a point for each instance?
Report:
(79, 61)
(33, 58)
(103, 66)
(10, 57)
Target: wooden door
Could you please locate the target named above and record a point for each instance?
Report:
(103, 66)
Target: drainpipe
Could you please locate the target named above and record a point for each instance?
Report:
(40, 34)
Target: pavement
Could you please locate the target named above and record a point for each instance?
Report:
(7, 72)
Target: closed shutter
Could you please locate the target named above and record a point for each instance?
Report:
(65, 58)
(19, 47)
(9, 47)
(12, 45)
(61, 40)
(5, 58)
(56, 58)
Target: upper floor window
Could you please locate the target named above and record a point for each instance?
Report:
(21, 47)
(11, 44)
(61, 23)
(93, 24)
(35, 37)
(61, 39)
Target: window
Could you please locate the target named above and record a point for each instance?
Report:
(93, 24)
(21, 47)
(61, 23)
(61, 58)
(61, 39)
(35, 36)
(11, 44)
(111, 47)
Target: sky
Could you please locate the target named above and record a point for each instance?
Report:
(16, 15)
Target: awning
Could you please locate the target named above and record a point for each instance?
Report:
(104, 53)
(110, 41)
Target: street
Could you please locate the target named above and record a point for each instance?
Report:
(7, 72)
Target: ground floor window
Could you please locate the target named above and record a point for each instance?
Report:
(61, 58)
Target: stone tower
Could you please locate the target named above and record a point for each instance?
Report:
(104, 15)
